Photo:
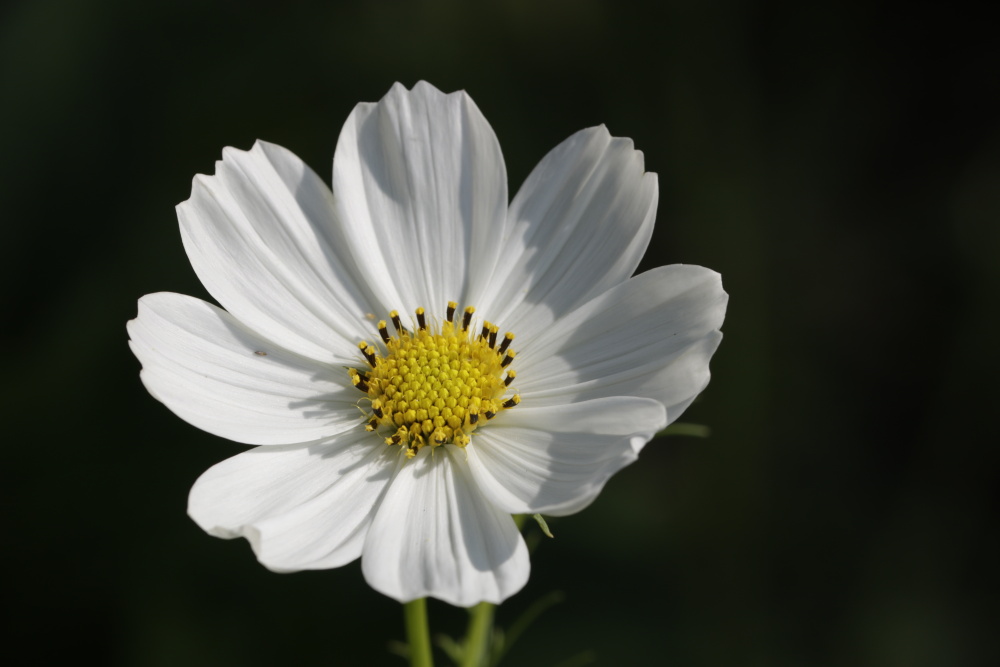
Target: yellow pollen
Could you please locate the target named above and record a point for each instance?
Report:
(436, 384)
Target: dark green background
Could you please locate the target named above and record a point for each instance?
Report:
(838, 164)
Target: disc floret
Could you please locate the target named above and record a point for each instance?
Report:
(436, 384)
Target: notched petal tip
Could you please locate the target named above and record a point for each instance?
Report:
(424, 88)
(463, 552)
(301, 507)
(230, 157)
(421, 169)
(611, 142)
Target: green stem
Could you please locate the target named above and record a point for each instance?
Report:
(418, 633)
(477, 639)
(476, 648)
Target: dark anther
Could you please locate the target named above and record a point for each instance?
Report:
(506, 360)
(420, 318)
(510, 378)
(383, 331)
(396, 323)
(369, 353)
(512, 401)
(508, 338)
(493, 337)
(467, 318)
(451, 311)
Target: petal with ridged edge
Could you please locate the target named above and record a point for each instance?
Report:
(578, 226)
(421, 179)
(215, 373)
(264, 239)
(555, 460)
(435, 534)
(301, 507)
(652, 336)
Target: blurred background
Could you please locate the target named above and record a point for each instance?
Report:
(838, 163)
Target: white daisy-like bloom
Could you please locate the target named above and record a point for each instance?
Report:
(415, 359)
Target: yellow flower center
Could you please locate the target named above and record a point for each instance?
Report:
(437, 384)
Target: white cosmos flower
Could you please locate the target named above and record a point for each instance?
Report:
(417, 470)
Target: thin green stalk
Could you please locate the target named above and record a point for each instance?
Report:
(477, 639)
(478, 636)
(418, 633)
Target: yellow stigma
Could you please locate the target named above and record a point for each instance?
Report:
(437, 384)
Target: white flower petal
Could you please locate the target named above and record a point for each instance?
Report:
(263, 238)
(301, 507)
(215, 373)
(555, 460)
(436, 535)
(652, 336)
(422, 181)
(578, 226)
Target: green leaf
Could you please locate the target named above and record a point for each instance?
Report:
(450, 647)
(529, 616)
(683, 428)
(544, 526)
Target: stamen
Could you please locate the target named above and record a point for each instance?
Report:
(358, 380)
(506, 360)
(420, 319)
(485, 332)
(508, 338)
(394, 316)
(467, 317)
(368, 351)
(512, 401)
(511, 374)
(493, 335)
(383, 331)
(451, 311)
(377, 408)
